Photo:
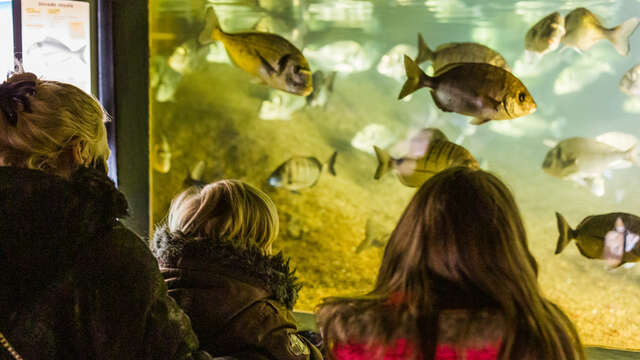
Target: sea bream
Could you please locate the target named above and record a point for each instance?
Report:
(414, 171)
(612, 237)
(584, 160)
(301, 172)
(546, 34)
(483, 91)
(463, 52)
(584, 30)
(270, 57)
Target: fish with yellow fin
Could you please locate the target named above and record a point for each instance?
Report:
(483, 91)
(414, 171)
(269, 57)
(458, 52)
(584, 30)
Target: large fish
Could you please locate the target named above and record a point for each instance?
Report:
(584, 160)
(584, 30)
(413, 172)
(595, 238)
(546, 34)
(270, 57)
(464, 52)
(483, 91)
(301, 172)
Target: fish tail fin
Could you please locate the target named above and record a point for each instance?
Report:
(331, 163)
(384, 162)
(211, 28)
(80, 53)
(424, 53)
(619, 35)
(634, 154)
(368, 237)
(566, 233)
(416, 78)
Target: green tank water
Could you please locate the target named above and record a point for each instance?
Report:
(212, 120)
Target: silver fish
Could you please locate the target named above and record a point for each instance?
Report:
(300, 172)
(545, 35)
(584, 160)
(52, 47)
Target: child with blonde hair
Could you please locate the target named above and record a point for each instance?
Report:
(76, 284)
(215, 253)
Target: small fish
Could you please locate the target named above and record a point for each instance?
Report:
(374, 236)
(270, 57)
(595, 239)
(465, 52)
(391, 64)
(584, 160)
(413, 172)
(584, 30)
(52, 47)
(181, 56)
(195, 175)
(322, 89)
(301, 172)
(546, 34)
(630, 82)
(161, 159)
(483, 91)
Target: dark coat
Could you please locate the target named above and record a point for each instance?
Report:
(74, 283)
(240, 301)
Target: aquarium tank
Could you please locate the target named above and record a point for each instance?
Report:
(214, 116)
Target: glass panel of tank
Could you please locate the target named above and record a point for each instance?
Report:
(566, 145)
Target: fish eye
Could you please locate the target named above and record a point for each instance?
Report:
(521, 97)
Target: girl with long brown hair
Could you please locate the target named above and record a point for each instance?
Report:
(457, 281)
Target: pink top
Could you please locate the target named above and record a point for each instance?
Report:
(403, 350)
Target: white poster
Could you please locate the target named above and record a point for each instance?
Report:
(6, 41)
(56, 41)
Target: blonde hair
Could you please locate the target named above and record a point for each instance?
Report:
(227, 210)
(54, 121)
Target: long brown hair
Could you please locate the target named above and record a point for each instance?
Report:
(462, 232)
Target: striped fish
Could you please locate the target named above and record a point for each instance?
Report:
(300, 172)
(413, 172)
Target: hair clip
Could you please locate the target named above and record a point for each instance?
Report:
(12, 94)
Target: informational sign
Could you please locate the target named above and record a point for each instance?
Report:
(6, 39)
(56, 41)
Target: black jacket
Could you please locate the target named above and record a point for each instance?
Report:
(74, 283)
(240, 301)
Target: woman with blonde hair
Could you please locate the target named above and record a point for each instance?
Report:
(457, 281)
(215, 253)
(75, 283)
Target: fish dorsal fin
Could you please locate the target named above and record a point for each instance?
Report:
(282, 63)
(266, 66)
(446, 68)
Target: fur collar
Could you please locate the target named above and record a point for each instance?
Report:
(272, 272)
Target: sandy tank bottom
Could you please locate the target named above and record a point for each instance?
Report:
(214, 118)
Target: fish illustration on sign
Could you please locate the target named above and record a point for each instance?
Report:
(483, 91)
(53, 47)
(584, 30)
(270, 57)
(612, 237)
